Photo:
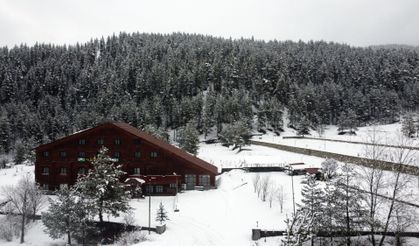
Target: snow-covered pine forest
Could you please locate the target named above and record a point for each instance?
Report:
(160, 82)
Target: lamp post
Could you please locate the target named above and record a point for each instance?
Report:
(292, 184)
(149, 207)
(176, 197)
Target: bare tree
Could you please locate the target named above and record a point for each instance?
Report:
(19, 196)
(280, 196)
(271, 194)
(265, 183)
(329, 168)
(398, 182)
(372, 180)
(256, 181)
(36, 199)
(404, 216)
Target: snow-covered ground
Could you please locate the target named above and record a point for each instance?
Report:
(384, 134)
(223, 216)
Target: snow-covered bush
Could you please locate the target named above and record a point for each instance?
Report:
(130, 237)
(9, 227)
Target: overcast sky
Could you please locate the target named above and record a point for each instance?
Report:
(355, 22)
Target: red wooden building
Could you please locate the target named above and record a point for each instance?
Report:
(164, 168)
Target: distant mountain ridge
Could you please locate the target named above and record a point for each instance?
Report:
(396, 46)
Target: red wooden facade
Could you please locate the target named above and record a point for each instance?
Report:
(140, 154)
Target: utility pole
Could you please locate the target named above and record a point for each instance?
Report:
(293, 198)
(149, 212)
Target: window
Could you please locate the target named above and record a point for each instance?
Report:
(46, 154)
(137, 155)
(100, 141)
(136, 170)
(149, 189)
(153, 154)
(63, 171)
(82, 171)
(117, 141)
(44, 187)
(173, 186)
(82, 156)
(137, 141)
(190, 180)
(45, 171)
(159, 188)
(63, 186)
(63, 154)
(82, 141)
(204, 180)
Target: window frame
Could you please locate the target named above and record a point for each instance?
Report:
(63, 154)
(153, 154)
(117, 141)
(63, 169)
(158, 188)
(45, 154)
(135, 169)
(137, 154)
(100, 141)
(43, 171)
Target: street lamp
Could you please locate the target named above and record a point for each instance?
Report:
(149, 206)
(176, 197)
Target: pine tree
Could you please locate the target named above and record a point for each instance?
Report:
(303, 126)
(237, 134)
(102, 186)
(68, 215)
(349, 211)
(408, 126)
(157, 132)
(19, 153)
(5, 133)
(161, 215)
(188, 138)
(348, 121)
(311, 206)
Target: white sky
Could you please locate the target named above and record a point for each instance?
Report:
(355, 22)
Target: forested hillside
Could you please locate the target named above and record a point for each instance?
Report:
(166, 81)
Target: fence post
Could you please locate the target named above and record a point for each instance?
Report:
(255, 234)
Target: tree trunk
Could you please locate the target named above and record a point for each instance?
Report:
(68, 237)
(390, 211)
(348, 225)
(34, 212)
(100, 216)
(22, 229)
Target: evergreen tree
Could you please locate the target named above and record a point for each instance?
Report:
(68, 215)
(157, 132)
(348, 121)
(303, 126)
(5, 133)
(311, 207)
(349, 210)
(188, 138)
(161, 215)
(102, 186)
(237, 134)
(19, 153)
(408, 126)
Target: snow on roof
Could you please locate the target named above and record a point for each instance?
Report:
(141, 181)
